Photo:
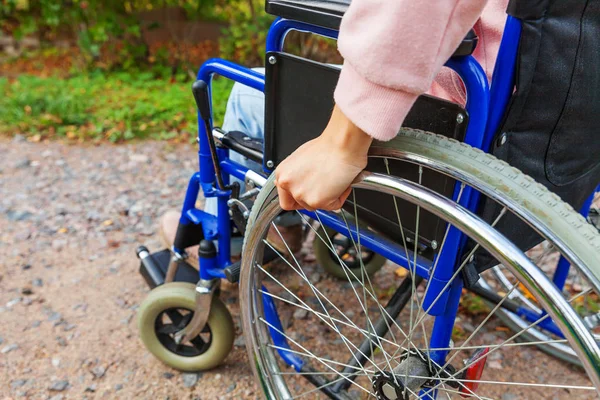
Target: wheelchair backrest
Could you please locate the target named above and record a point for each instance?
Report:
(553, 120)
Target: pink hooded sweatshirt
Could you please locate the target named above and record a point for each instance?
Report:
(394, 49)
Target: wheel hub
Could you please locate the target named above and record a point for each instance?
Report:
(386, 389)
(407, 378)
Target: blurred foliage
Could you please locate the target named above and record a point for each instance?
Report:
(113, 107)
(108, 33)
(472, 304)
(244, 39)
(95, 78)
(111, 27)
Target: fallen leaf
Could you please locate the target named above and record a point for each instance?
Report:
(526, 292)
(401, 272)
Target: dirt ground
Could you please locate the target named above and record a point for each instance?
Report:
(70, 220)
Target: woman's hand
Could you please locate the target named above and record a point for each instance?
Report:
(319, 173)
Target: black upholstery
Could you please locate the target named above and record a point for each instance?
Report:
(329, 13)
(552, 125)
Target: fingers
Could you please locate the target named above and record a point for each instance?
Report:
(286, 200)
(289, 202)
(293, 196)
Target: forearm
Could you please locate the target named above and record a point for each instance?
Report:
(393, 50)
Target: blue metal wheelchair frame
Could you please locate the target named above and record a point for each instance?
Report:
(485, 107)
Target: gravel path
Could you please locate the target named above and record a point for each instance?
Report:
(70, 218)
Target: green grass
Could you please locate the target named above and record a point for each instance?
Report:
(114, 107)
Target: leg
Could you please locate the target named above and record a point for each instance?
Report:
(245, 113)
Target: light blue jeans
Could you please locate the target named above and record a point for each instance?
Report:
(245, 112)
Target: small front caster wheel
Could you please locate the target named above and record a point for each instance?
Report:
(166, 311)
(346, 251)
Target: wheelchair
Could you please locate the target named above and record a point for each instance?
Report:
(445, 203)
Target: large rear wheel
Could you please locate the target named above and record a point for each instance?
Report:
(358, 341)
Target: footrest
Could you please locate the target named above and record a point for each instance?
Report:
(154, 268)
(232, 272)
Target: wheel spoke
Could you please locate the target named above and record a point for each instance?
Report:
(315, 357)
(332, 324)
(366, 333)
(328, 321)
(297, 298)
(513, 337)
(335, 317)
(308, 354)
(457, 350)
(372, 295)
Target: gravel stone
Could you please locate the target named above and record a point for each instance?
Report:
(98, 371)
(17, 383)
(13, 302)
(231, 388)
(69, 327)
(22, 163)
(38, 282)
(54, 316)
(9, 348)
(118, 387)
(509, 396)
(91, 388)
(141, 158)
(168, 375)
(26, 291)
(18, 215)
(315, 277)
(58, 244)
(57, 397)
(59, 386)
(239, 341)
(190, 379)
(300, 313)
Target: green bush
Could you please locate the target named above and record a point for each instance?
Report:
(115, 107)
(245, 38)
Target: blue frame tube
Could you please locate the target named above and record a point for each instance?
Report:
(478, 96)
(234, 72)
(486, 109)
(503, 79)
(279, 340)
(205, 178)
(233, 168)
(281, 26)
(388, 250)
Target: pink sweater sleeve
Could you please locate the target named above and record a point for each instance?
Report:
(392, 50)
